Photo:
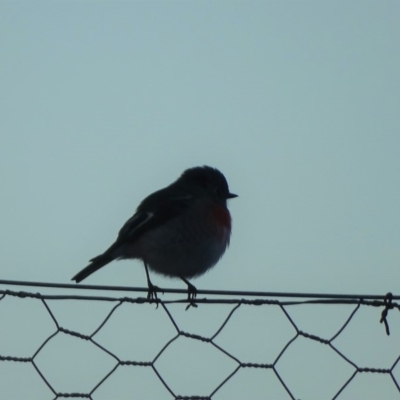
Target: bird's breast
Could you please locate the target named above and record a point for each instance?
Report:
(222, 215)
(222, 220)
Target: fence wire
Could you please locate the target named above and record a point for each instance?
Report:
(284, 304)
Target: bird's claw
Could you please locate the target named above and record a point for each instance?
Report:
(152, 293)
(192, 294)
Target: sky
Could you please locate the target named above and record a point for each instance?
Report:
(296, 102)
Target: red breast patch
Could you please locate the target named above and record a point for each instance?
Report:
(222, 215)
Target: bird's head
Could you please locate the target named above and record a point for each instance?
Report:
(206, 182)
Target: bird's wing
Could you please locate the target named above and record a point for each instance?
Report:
(134, 224)
(152, 213)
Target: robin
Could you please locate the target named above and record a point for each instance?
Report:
(180, 231)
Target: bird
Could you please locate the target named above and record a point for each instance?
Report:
(180, 231)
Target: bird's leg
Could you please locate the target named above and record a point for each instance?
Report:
(152, 292)
(192, 293)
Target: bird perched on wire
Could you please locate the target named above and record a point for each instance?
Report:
(180, 231)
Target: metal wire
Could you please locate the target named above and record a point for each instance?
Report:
(236, 299)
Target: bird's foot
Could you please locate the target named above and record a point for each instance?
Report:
(192, 293)
(152, 293)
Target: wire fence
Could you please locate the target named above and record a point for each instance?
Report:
(234, 345)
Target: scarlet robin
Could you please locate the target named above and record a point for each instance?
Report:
(180, 231)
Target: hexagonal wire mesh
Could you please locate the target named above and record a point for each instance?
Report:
(99, 347)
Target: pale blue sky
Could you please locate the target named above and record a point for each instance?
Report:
(296, 102)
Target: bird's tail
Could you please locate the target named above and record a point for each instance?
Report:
(95, 264)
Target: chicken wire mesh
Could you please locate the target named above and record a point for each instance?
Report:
(234, 345)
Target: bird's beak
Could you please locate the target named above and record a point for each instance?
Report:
(231, 196)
